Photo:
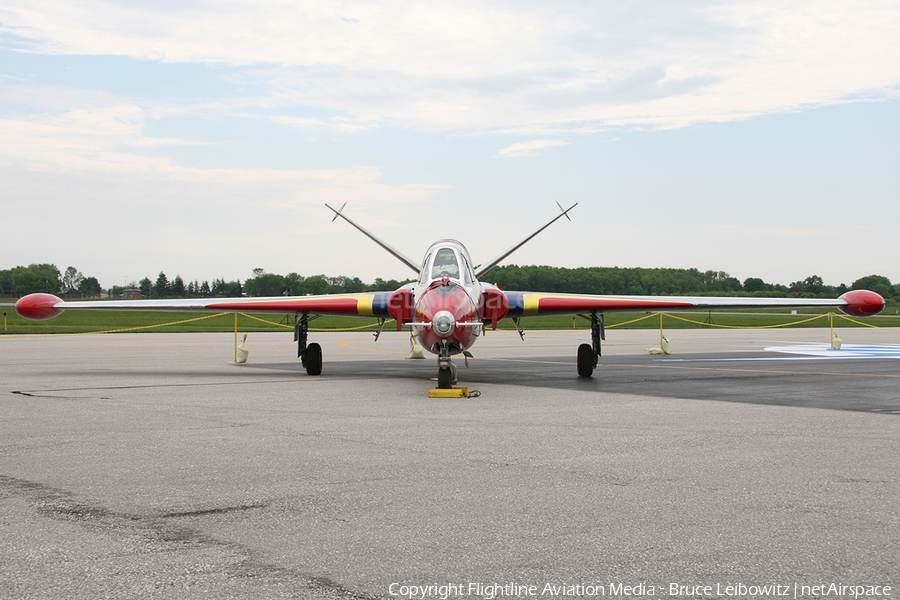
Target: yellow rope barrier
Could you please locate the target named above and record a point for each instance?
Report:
(262, 320)
(152, 326)
(119, 330)
(831, 316)
(311, 328)
(125, 330)
(632, 321)
(355, 328)
(745, 326)
(866, 324)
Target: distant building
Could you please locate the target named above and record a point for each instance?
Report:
(72, 295)
(132, 294)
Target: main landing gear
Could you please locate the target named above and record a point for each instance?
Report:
(310, 354)
(589, 354)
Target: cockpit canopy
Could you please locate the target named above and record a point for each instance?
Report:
(445, 264)
(447, 259)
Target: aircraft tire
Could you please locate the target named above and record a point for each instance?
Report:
(313, 359)
(585, 360)
(445, 379)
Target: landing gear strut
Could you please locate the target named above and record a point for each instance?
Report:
(446, 369)
(589, 354)
(310, 354)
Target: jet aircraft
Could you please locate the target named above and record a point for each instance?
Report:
(448, 307)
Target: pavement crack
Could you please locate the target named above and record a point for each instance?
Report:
(148, 387)
(45, 395)
(239, 565)
(213, 511)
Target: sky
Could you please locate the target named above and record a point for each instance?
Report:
(203, 139)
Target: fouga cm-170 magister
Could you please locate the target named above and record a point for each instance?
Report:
(448, 308)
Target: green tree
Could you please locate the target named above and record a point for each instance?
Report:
(813, 286)
(177, 289)
(353, 285)
(162, 287)
(876, 283)
(34, 278)
(754, 284)
(293, 282)
(71, 279)
(218, 287)
(316, 284)
(380, 285)
(89, 287)
(232, 289)
(5, 284)
(264, 284)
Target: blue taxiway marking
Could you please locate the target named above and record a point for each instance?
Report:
(813, 352)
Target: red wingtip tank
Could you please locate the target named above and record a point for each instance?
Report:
(38, 307)
(862, 303)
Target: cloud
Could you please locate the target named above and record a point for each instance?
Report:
(75, 180)
(497, 66)
(98, 143)
(530, 148)
(341, 124)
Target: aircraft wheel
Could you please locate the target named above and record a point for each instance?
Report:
(585, 360)
(445, 379)
(313, 359)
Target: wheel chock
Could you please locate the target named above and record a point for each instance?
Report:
(457, 392)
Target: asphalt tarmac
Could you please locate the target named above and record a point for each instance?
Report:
(146, 466)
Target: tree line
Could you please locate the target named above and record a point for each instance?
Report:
(47, 278)
(670, 282)
(262, 284)
(19, 281)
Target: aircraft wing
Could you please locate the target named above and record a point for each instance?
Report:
(368, 304)
(860, 303)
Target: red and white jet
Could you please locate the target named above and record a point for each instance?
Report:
(447, 307)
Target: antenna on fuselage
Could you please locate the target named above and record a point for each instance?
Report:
(396, 253)
(493, 263)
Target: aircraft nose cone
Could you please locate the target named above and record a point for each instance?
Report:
(443, 323)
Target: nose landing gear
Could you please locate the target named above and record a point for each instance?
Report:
(446, 369)
(446, 381)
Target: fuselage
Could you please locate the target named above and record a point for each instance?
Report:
(449, 302)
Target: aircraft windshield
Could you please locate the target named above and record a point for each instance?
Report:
(445, 264)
